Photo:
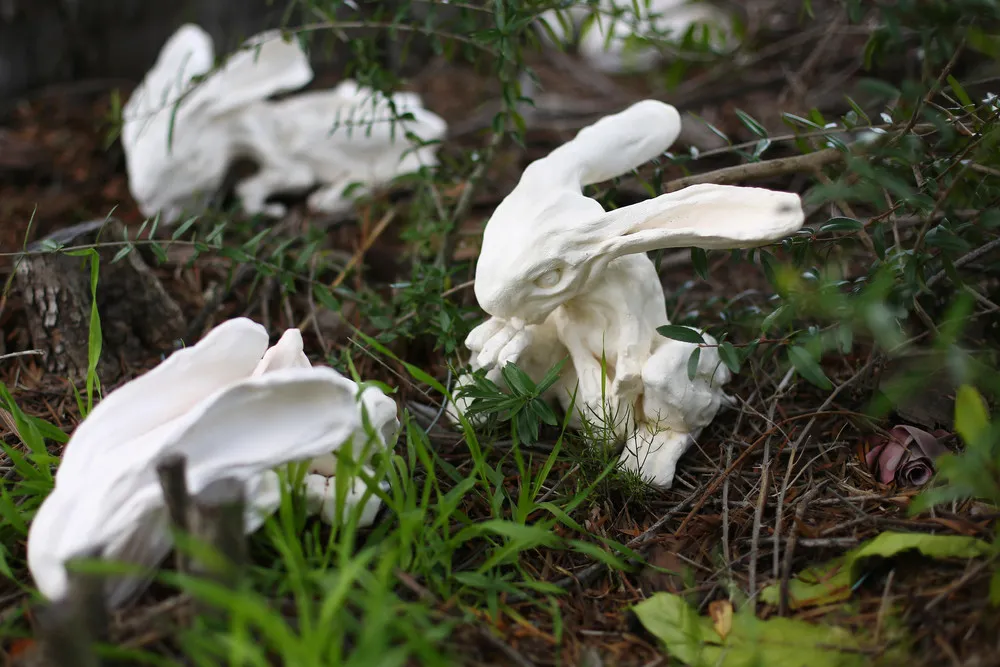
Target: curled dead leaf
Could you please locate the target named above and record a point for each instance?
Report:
(906, 456)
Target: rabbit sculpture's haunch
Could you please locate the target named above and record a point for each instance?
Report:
(561, 276)
(185, 125)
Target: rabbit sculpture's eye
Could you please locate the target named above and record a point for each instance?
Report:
(549, 279)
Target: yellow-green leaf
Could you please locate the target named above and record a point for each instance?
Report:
(833, 582)
(693, 640)
(676, 624)
(971, 417)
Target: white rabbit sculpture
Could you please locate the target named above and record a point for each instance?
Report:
(604, 42)
(185, 125)
(560, 276)
(233, 407)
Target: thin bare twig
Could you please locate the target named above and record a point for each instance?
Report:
(793, 536)
(757, 522)
(965, 259)
(932, 92)
(760, 170)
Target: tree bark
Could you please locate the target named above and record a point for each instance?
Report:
(138, 317)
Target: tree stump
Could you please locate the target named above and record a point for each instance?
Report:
(138, 317)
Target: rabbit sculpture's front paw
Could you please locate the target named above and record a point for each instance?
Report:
(627, 386)
(497, 342)
(479, 336)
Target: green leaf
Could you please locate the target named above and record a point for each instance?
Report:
(598, 554)
(716, 131)
(807, 367)
(971, 417)
(683, 334)
(544, 412)
(751, 124)
(122, 252)
(771, 318)
(517, 380)
(693, 361)
(858, 110)
(983, 42)
(183, 228)
(784, 642)
(11, 513)
(833, 581)
(995, 589)
(524, 535)
(325, 297)
(792, 120)
(761, 146)
(672, 620)
(730, 357)
(551, 376)
(770, 267)
(841, 225)
(95, 337)
(960, 93)
(699, 260)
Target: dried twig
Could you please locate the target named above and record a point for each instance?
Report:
(172, 471)
(932, 92)
(883, 608)
(964, 579)
(965, 259)
(216, 520)
(356, 258)
(757, 523)
(587, 574)
(68, 628)
(793, 536)
(515, 657)
(760, 170)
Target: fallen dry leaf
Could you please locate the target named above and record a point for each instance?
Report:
(664, 569)
(721, 613)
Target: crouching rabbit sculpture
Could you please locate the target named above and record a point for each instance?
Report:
(561, 277)
(232, 407)
(188, 122)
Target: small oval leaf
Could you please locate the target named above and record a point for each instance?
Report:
(730, 357)
(693, 361)
(808, 368)
(683, 334)
(699, 259)
(841, 225)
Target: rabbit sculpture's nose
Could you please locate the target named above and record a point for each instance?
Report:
(494, 299)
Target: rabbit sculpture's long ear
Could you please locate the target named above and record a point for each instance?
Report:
(227, 354)
(187, 54)
(264, 65)
(704, 216)
(612, 146)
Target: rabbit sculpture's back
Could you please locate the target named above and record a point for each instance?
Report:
(555, 266)
(181, 136)
(351, 135)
